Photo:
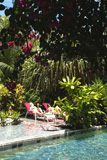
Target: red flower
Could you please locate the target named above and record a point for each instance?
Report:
(64, 37)
(23, 3)
(16, 35)
(90, 72)
(30, 46)
(31, 35)
(37, 37)
(27, 48)
(11, 44)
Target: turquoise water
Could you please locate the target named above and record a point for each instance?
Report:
(85, 146)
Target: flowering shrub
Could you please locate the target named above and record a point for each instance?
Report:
(54, 18)
(23, 3)
(32, 35)
(11, 96)
(11, 44)
(27, 48)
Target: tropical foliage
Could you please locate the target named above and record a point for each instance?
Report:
(11, 96)
(4, 22)
(70, 27)
(35, 77)
(85, 105)
(42, 42)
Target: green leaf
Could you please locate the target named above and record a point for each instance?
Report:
(67, 117)
(2, 7)
(73, 79)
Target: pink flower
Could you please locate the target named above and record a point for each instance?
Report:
(31, 35)
(11, 44)
(23, 3)
(30, 46)
(16, 35)
(90, 72)
(27, 48)
(37, 37)
(64, 36)
(0, 44)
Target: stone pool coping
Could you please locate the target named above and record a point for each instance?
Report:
(49, 135)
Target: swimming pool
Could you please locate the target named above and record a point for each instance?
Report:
(86, 146)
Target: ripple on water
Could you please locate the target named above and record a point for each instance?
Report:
(85, 146)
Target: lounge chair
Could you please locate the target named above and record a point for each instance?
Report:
(46, 106)
(46, 116)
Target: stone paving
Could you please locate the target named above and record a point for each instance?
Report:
(28, 129)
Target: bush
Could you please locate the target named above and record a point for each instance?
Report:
(86, 105)
(11, 96)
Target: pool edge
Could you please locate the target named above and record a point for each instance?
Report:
(18, 142)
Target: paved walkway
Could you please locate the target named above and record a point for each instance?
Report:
(28, 127)
(27, 130)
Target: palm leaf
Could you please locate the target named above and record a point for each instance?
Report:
(5, 66)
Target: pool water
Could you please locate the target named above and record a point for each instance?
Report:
(85, 146)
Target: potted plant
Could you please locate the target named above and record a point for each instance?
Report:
(15, 117)
(3, 115)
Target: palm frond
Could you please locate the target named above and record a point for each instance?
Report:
(4, 66)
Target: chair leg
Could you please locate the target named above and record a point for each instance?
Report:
(47, 120)
(26, 114)
(35, 117)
